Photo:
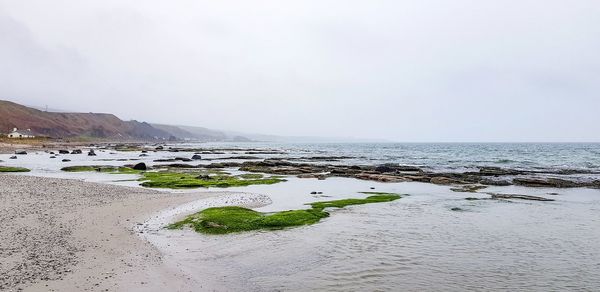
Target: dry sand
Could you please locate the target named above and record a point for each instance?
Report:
(68, 235)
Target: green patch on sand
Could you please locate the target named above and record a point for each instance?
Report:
(101, 168)
(13, 169)
(184, 180)
(222, 220)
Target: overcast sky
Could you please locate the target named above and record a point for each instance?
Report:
(420, 70)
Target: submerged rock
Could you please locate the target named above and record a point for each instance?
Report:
(62, 151)
(517, 196)
(468, 188)
(77, 151)
(66, 160)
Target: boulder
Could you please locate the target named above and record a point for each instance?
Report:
(159, 148)
(62, 151)
(91, 153)
(77, 151)
(52, 156)
(66, 160)
(140, 166)
(13, 157)
(20, 152)
(196, 157)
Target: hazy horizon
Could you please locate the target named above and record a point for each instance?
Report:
(410, 71)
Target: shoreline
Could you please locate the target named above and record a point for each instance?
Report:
(65, 235)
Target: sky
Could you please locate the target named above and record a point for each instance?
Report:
(407, 71)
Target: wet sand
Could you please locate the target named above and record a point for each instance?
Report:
(68, 235)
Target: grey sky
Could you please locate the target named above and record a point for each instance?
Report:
(417, 70)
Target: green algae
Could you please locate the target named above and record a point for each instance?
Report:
(223, 220)
(13, 169)
(101, 168)
(184, 180)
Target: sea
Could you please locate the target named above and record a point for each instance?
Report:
(432, 239)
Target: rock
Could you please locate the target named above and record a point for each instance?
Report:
(468, 188)
(204, 177)
(66, 160)
(143, 155)
(494, 182)
(516, 196)
(159, 148)
(20, 152)
(91, 153)
(497, 171)
(52, 153)
(13, 157)
(313, 193)
(77, 151)
(52, 156)
(440, 180)
(140, 166)
(380, 177)
(384, 168)
(144, 151)
(549, 182)
(196, 157)
(62, 151)
(456, 209)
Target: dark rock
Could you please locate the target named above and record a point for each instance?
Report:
(204, 177)
(548, 183)
(440, 180)
(384, 168)
(140, 166)
(52, 153)
(77, 151)
(468, 188)
(497, 171)
(456, 209)
(144, 151)
(493, 182)
(20, 152)
(143, 155)
(62, 151)
(516, 196)
(159, 148)
(313, 193)
(196, 157)
(91, 153)
(52, 156)
(66, 160)
(13, 157)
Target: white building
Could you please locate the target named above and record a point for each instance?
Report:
(17, 134)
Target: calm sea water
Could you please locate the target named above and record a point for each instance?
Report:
(418, 243)
(451, 156)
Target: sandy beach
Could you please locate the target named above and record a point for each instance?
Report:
(68, 235)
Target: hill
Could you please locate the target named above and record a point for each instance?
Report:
(65, 125)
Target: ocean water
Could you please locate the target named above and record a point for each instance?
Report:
(450, 156)
(432, 239)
